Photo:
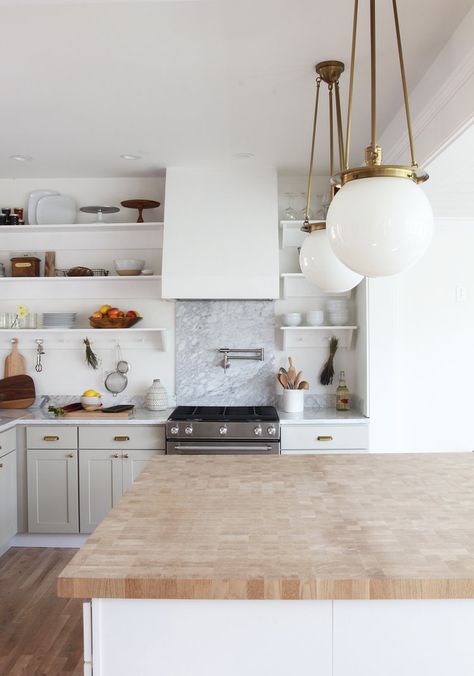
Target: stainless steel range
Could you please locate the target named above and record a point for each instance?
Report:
(198, 430)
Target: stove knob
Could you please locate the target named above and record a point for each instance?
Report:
(188, 429)
(174, 429)
(257, 431)
(223, 430)
(271, 430)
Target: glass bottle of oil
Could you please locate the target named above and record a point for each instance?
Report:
(342, 394)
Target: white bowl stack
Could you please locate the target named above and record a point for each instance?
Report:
(338, 312)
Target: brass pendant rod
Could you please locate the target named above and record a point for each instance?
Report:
(351, 84)
(404, 83)
(315, 119)
(373, 78)
(339, 128)
(331, 133)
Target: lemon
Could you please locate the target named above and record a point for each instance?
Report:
(90, 393)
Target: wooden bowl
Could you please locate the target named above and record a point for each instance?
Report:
(113, 322)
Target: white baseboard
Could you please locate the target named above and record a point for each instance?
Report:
(47, 540)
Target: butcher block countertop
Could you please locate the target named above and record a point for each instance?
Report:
(277, 527)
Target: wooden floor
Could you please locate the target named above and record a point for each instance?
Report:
(40, 634)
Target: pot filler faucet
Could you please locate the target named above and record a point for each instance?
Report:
(254, 354)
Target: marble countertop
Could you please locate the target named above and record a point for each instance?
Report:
(37, 416)
(141, 416)
(321, 416)
(376, 526)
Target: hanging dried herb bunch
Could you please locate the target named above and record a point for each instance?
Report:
(91, 357)
(327, 374)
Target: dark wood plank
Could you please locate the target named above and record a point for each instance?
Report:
(40, 634)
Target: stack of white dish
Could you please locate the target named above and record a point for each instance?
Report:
(49, 207)
(338, 312)
(59, 320)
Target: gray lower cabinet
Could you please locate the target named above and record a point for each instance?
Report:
(104, 476)
(8, 497)
(52, 476)
(76, 475)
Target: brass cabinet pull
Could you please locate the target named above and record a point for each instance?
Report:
(1, 465)
(70, 455)
(324, 438)
(121, 438)
(51, 438)
(115, 455)
(126, 455)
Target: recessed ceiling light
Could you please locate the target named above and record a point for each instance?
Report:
(243, 156)
(130, 156)
(21, 158)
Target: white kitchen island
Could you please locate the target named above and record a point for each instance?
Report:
(309, 565)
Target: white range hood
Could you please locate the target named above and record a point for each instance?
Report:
(221, 233)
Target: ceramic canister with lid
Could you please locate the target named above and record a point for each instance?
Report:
(156, 398)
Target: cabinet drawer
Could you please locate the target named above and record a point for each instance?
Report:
(7, 441)
(324, 437)
(122, 436)
(52, 436)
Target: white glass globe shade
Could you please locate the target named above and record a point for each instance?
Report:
(379, 226)
(321, 267)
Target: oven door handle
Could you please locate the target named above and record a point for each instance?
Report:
(226, 448)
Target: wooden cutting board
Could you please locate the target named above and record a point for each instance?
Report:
(17, 392)
(96, 414)
(15, 364)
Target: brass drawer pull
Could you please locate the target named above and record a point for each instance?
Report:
(323, 438)
(126, 456)
(115, 455)
(70, 455)
(1, 465)
(121, 438)
(50, 438)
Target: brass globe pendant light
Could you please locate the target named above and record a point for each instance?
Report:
(380, 222)
(318, 262)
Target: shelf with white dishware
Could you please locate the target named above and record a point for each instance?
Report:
(316, 336)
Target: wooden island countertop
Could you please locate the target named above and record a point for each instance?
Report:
(279, 527)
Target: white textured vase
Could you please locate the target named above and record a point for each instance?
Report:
(156, 398)
(293, 401)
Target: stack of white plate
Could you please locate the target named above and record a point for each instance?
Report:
(59, 320)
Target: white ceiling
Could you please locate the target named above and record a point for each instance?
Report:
(183, 82)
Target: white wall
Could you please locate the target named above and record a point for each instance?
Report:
(436, 344)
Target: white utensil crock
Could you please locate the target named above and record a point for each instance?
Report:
(293, 401)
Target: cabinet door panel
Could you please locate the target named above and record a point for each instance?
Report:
(122, 437)
(52, 436)
(100, 485)
(404, 637)
(133, 464)
(8, 497)
(7, 441)
(52, 491)
(324, 437)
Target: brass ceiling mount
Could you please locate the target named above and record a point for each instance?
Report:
(329, 71)
(312, 227)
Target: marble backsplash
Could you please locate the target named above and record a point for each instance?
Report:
(204, 326)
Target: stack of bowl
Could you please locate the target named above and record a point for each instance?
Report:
(338, 312)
